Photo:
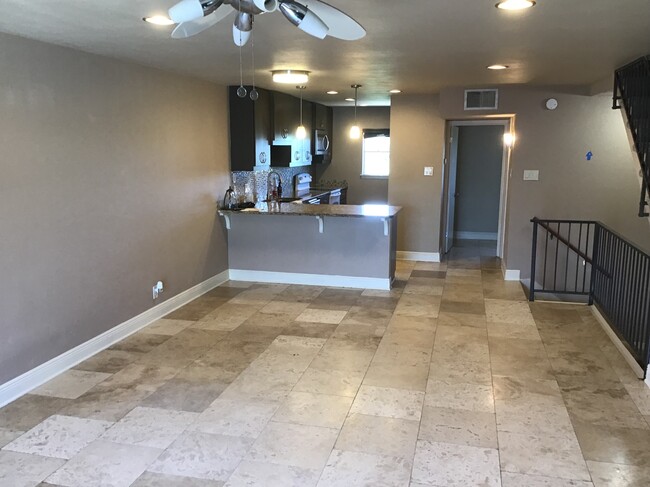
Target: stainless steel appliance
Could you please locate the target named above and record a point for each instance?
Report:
(321, 142)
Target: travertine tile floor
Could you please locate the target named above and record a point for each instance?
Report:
(451, 379)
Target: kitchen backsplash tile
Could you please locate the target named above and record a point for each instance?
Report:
(257, 181)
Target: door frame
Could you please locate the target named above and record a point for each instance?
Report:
(507, 121)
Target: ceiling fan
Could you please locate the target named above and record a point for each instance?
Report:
(314, 17)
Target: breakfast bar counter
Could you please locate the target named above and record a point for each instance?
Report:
(327, 245)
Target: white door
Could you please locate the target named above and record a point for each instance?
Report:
(451, 195)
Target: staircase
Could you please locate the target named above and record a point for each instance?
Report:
(632, 95)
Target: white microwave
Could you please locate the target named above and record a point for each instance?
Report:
(321, 142)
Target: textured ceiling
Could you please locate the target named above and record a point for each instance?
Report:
(419, 46)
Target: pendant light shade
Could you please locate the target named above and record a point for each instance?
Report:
(301, 131)
(355, 130)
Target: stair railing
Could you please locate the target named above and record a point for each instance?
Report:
(632, 94)
(586, 260)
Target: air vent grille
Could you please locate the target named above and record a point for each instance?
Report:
(481, 99)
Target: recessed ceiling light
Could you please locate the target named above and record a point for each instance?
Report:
(332, 92)
(292, 76)
(395, 91)
(515, 4)
(349, 99)
(497, 67)
(159, 20)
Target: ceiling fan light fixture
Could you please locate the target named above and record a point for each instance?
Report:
(186, 11)
(266, 5)
(159, 20)
(290, 76)
(498, 67)
(515, 4)
(304, 19)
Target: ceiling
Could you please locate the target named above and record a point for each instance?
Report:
(418, 46)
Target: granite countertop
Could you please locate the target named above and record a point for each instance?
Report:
(297, 209)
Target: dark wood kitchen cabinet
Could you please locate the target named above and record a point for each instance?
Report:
(250, 130)
(288, 150)
(286, 117)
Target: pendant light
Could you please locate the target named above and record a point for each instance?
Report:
(355, 131)
(301, 131)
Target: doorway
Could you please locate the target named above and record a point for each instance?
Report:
(476, 172)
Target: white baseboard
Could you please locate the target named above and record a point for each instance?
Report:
(511, 274)
(30, 380)
(421, 256)
(310, 279)
(475, 235)
(617, 342)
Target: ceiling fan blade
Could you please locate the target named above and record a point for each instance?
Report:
(303, 18)
(340, 24)
(189, 29)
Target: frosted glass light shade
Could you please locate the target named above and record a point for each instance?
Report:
(301, 132)
(355, 132)
(515, 4)
(186, 11)
(290, 76)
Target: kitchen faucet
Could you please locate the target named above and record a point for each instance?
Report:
(272, 186)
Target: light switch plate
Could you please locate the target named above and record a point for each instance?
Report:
(531, 175)
(428, 171)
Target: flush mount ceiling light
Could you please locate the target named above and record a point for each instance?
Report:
(290, 76)
(355, 131)
(515, 4)
(158, 20)
(498, 67)
(394, 92)
(349, 99)
(332, 92)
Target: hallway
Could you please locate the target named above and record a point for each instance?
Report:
(450, 379)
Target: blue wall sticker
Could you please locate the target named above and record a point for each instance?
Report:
(589, 155)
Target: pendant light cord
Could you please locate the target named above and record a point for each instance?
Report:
(301, 88)
(252, 46)
(241, 67)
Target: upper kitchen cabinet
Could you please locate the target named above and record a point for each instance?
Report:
(286, 118)
(250, 130)
(288, 150)
(321, 136)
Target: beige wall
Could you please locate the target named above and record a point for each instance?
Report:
(109, 176)
(346, 156)
(416, 141)
(555, 142)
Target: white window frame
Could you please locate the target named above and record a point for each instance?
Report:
(363, 155)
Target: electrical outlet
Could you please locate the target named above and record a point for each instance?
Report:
(157, 289)
(428, 171)
(531, 175)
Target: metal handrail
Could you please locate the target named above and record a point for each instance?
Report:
(615, 276)
(628, 77)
